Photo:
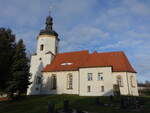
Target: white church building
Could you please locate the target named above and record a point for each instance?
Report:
(80, 72)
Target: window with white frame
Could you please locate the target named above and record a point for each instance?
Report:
(119, 81)
(100, 76)
(90, 76)
(69, 81)
(88, 88)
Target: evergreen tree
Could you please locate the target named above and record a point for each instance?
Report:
(7, 48)
(20, 70)
(14, 67)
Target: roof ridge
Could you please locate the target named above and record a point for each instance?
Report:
(112, 52)
(75, 52)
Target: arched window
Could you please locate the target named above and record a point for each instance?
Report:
(119, 81)
(41, 47)
(53, 81)
(132, 81)
(69, 81)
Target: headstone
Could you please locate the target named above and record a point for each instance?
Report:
(79, 111)
(97, 101)
(111, 98)
(123, 103)
(66, 106)
(51, 107)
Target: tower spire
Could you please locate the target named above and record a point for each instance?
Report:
(49, 23)
(49, 26)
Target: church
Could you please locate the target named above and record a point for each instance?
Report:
(80, 72)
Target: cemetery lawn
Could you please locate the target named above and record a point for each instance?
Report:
(38, 104)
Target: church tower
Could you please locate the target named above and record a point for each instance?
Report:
(48, 39)
(47, 48)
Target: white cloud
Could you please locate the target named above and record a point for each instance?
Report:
(83, 36)
(137, 7)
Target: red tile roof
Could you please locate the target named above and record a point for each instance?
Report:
(74, 60)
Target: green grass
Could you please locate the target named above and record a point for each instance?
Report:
(38, 104)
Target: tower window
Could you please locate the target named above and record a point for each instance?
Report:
(41, 47)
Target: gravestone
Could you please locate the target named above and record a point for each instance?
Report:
(51, 107)
(123, 103)
(66, 106)
(111, 98)
(97, 101)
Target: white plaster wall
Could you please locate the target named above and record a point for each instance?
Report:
(127, 89)
(49, 42)
(40, 60)
(80, 82)
(95, 83)
(133, 90)
(36, 66)
(123, 90)
(61, 83)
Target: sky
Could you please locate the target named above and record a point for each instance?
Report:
(94, 25)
